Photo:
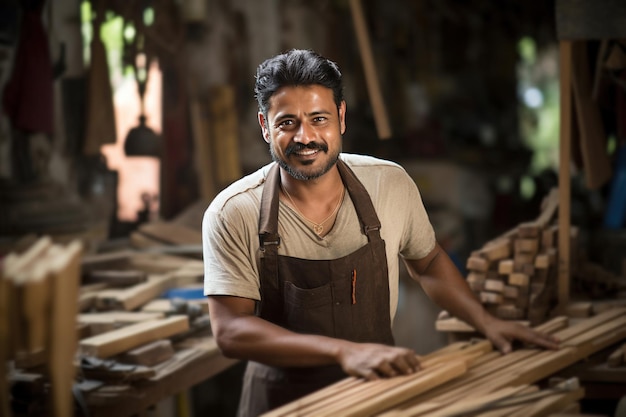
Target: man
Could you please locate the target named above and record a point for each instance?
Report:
(301, 257)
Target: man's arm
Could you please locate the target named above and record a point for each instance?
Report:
(242, 335)
(443, 283)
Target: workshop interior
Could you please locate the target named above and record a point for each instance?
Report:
(121, 120)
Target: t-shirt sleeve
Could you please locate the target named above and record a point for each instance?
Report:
(418, 239)
(229, 257)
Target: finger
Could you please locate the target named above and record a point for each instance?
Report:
(386, 369)
(502, 344)
(403, 365)
(371, 375)
(544, 340)
(415, 362)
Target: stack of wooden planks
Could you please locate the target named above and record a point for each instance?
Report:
(515, 275)
(100, 317)
(38, 308)
(470, 376)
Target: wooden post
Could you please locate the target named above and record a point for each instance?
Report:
(565, 62)
(371, 77)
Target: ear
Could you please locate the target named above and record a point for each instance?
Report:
(342, 116)
(264, 129)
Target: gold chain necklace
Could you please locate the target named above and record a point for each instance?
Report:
(318, 228)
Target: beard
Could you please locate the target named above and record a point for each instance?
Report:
(301, 174)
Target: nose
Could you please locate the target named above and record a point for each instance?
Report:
(304, 134)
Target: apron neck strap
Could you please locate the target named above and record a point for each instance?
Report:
(268, 219)
(362, 202)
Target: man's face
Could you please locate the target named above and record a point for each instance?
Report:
(304, 128)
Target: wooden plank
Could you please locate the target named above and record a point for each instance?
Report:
(542, 261)
(510, 291)
(617, 358)
(494, 285)
(597, 164)
(547, 363)
(532, 229)
(135, 296)
(477, 263)
(385, 398)
(550, 404)
(159, 263)
(590, 323)
(526, 245)
(519, 279)
(468, 352)
(453, 325)
(490, 298)
(65, 278)
(171, 233)
(118, 317)
(13, 263)
(115, 278)
(132, 336)
(224, 135)
(203, 154)
(565, 138)
(548, 210)
(475, 377)
(315, 398)
(480, 403)
(579, 309)
(369, 398)
(505, 266)
(520, 259)
(371, 77)
(5, 343)
(35, 302)
(149, 354)
(496, 249)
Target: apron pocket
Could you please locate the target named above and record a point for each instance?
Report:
(309, 310)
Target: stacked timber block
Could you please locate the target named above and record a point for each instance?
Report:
(100, 324)
(470, 378)
(515, 275)
(38, 308)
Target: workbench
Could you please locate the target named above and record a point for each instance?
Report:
(127, 400)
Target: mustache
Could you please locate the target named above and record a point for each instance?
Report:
(297, 147)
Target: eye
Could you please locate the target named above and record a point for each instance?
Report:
(320, 119)
(286, 124)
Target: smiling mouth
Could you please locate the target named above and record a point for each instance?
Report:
(307, 152)
(309, 149)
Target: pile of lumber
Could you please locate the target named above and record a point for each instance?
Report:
(470, 376)
(38, 308)
(515, 275)
(100, 323)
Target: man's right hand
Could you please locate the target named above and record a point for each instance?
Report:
(373, 361)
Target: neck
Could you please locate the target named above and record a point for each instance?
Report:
(316, 201)
(318, 189)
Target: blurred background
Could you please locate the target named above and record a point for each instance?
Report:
(118, 113)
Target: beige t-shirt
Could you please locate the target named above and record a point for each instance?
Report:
(231, 239)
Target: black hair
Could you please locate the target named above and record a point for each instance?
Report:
(295, 68)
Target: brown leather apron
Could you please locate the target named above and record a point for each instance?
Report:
(346, 298)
